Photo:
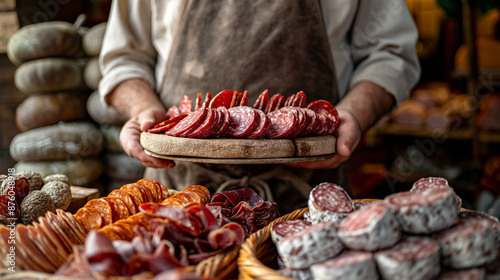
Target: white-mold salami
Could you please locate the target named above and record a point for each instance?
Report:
(298, 274)
(312, 245)
(413, 258)
(329, 202)
(434, 183)
(287, 228)
(424, 212)
(350, 265)
(471, 242)
(371, 228)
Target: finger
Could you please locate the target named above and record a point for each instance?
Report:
(150, 118)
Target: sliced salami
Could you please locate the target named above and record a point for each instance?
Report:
(208, 98)
(244, 99)
(260, 126)
(351, 265)
(434, 183)
(186, 105)
(302, 101)
(234, 100)
(223, 98)
(298, 98)
(321, 125)
(287, 228)
(205, 127)
(495, 224)
(171, 120)
(311, 120)
(468, 274)
(301, 122)
(425, 211)
(241, 121)
(279, 103)
(172, 112)
(329, 202)
(413, 258)
(298, 274)
(281, 123)
(188, 124)
(198, 102)
(165, 127)
(333, 123)
(223, 124)
(272, 103)
(320, 106)
(470, 243)
(312, 245)
(289, 100)
(262, 100)
(371, 228)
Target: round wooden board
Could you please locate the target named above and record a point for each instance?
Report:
(241, 160)
(239, 149)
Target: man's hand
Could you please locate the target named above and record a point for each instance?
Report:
(136, 100)
(130, 138)
(348, 136)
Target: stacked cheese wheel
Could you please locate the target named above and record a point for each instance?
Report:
(228, 115)
(418, 234)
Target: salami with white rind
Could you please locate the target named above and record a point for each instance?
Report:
(298, 274)
(329, 202)
(286, 228)
(495, 224)
(470, 274)
(312, 245)
(434, 183)
(371, 228)
(281, 123)
(425, 211)
(413, 258)
(350, 265)
(470, 243)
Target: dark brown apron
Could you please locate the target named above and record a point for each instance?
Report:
(252, 45)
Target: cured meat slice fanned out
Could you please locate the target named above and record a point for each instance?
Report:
(287, 228)
(424, 212)
(262, 100)
(434, 183)
(310, 120)
(186, 105)
(281, 124)
(371, 228)
(300, 124)
(329, 202)
(224, 122)
(312, 245)
(352, 265)
(207, 126)
(241, 121)
(260, 126)
(188, 124)
(222, 98)
(471, 242)
(413, 258)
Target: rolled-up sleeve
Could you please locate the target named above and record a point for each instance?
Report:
(127, 51)
(383, 39)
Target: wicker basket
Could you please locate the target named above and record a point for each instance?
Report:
(258, 254)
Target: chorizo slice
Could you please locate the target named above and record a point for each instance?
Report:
(198, 102)
(281, 123)
(126, 198)
(188, 124)
(261, 101)
(224, 122)
(260, 126)
(223, 98)
(241, 121)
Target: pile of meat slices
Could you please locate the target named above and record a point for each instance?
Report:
(418, 234)
(228, 115)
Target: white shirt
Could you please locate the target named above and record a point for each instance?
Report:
(371, 40)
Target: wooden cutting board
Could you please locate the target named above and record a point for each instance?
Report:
(226, 148)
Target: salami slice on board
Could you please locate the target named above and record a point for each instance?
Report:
(329, 202)
(287, 228)
(289, 100)
(262, 100)
(272, 103)
(224, 122)
(314, 244)
(172, 112)
(470, 243)
(223, 98)
(425, 211)
(188, 124)
(321, 125)
(241, 121)
(320, 106)
(352, 265)
(298, 98)
(186, 105)
(198, 102)
(260, 126)
(371, 228)
(234, 100)
(279, 103)
(302, 100)
(310, 120)
(205, 127)
(334, 123)
(244, 99)
(301, 122)
(281, 123)
(413, 258)
(208, 98)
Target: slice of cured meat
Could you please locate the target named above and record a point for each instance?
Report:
(352, 265)
(470, 243)
(413, 258)
(198, 102)
(298, 98)
(298, 274)
(311, 120)
(234, 100)
(301, 122)
(173, 111)
(224, 122)
(287, 228)
(329, 202)
(321, 125)
(205, 126)
(289, 100)
(260, 126)
(207, 100)
(188, 124)
(469, 274)
(262, 100)
(371, 228)
(314, 244)
(272, 103)
(425, 211)
(125, 197)
(241, 121)
(223, 98)
(281, 123)
(333, 123)
(495, 224)
(244, 99)
(302, 100)
(279, 103)
(320, 106)
(434, 183)
(170, 120)
(186, 105)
